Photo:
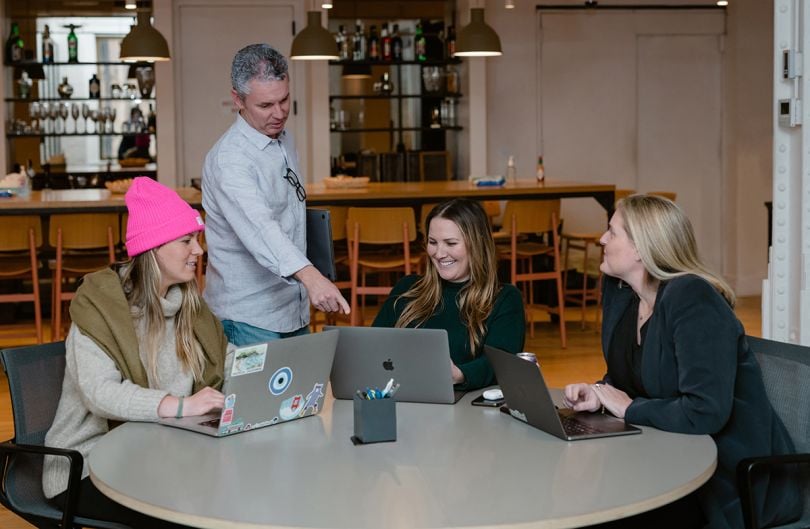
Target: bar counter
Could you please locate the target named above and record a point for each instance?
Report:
(48, 202)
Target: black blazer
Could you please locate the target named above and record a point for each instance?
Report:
(702, 378)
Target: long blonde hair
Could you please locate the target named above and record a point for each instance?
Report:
(665, 240)
(141, 280)
(477, 297)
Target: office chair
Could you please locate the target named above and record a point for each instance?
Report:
(786, 373)
(35, 376)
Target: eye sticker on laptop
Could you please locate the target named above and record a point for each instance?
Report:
(280, 380)
(249, 360)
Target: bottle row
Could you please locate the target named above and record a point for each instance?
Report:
(390, 46)
(442, 115)
(15, 46)
(144, 74)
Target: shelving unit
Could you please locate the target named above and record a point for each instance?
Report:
(412, 125)
(25, 127)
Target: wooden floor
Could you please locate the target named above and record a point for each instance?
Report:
(581, 361)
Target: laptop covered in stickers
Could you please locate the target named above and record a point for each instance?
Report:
(269, 383)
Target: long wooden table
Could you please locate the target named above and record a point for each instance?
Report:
(385, 194)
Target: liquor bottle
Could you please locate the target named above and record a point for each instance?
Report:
(396, 44)
(339, 39)
(359, 42)
(14, 45)
(95, 87)
(151, 120)
(419, 43)
(511, 170)
(451, 42)
(387, 52)
(47, 46)
(345, 45)
(373, 45)
(541, 173)
(72, 44)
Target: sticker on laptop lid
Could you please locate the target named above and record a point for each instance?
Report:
(312, 400)
(249, 360)
(280, 380)
(291, 408)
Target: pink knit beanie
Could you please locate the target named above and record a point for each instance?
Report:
(157, 215)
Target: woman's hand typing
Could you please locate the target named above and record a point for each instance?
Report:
(206, 400)
(581, 397)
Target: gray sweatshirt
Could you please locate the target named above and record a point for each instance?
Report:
(94, 391)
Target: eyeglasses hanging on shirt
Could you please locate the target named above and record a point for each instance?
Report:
(292, 178)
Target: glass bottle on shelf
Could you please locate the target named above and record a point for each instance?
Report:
(451, 79)
(396, 44)
(151, 120)
(72, 44)
(24, 83)
(14, 45)
(64, 89)
(373, 44)
(419, 43)
(386, 87)
(359, 42)
(47, 46)
(511, 170)
(339, 39)
(451, 42)
(541, 172)
(385, 39)
(345, 45)
(95, 87)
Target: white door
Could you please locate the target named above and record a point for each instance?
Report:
(680, 130)
(209, 36)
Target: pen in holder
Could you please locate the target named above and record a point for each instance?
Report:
(375, 420)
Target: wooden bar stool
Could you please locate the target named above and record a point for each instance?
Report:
(84, 242)
(20, 241)
(391, 231)
(587, 265)
(535, 218)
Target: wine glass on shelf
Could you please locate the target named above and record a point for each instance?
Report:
(112, 119)
(85, 115)
(63, 113)
(44, 112)
(102, 119)
(94, 118)
(33, 111)
(74, 113)
(53, 113)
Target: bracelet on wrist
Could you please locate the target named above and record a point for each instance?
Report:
(179, 414)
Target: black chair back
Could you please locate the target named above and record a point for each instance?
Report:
(786, 373)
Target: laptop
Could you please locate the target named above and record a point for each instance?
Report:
(528, 400)
(320, 250)
(269, 383)
(417, 359)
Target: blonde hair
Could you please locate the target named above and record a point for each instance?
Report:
(477, 297)
(665, 240)
(141, 280)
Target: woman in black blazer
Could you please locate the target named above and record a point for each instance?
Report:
(677, 358)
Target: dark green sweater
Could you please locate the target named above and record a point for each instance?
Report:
(505, 327)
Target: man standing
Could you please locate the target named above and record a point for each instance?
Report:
(259, 281)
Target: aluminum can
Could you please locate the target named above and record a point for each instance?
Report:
(530, 357)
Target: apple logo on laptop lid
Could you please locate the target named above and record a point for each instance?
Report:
(388, 365)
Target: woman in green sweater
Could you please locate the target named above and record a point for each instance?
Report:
(460, 293)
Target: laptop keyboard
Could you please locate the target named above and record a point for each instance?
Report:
(574, 427)
(214, 423)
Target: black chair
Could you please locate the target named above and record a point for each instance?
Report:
(35, 376)
(786, 372)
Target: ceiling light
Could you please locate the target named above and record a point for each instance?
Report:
(477, 39)
(509, 4)
(130, 4)
(326, 5)
(144, 42)
(722, 3)
(314, 42)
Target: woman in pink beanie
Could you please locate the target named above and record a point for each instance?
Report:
(142, 344)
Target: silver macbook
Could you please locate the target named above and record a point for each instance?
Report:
(528, 400)
(269, 383)
(417, 359)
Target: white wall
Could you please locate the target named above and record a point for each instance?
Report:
(513, 107)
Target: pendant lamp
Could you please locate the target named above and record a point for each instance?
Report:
(314, 42)
(144, 42)
(477, 39)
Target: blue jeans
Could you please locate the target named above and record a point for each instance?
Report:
(240, 334)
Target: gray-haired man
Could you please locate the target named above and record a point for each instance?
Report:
(259, 281)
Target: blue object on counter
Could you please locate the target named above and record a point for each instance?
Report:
(5, 193)
(489, 181)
